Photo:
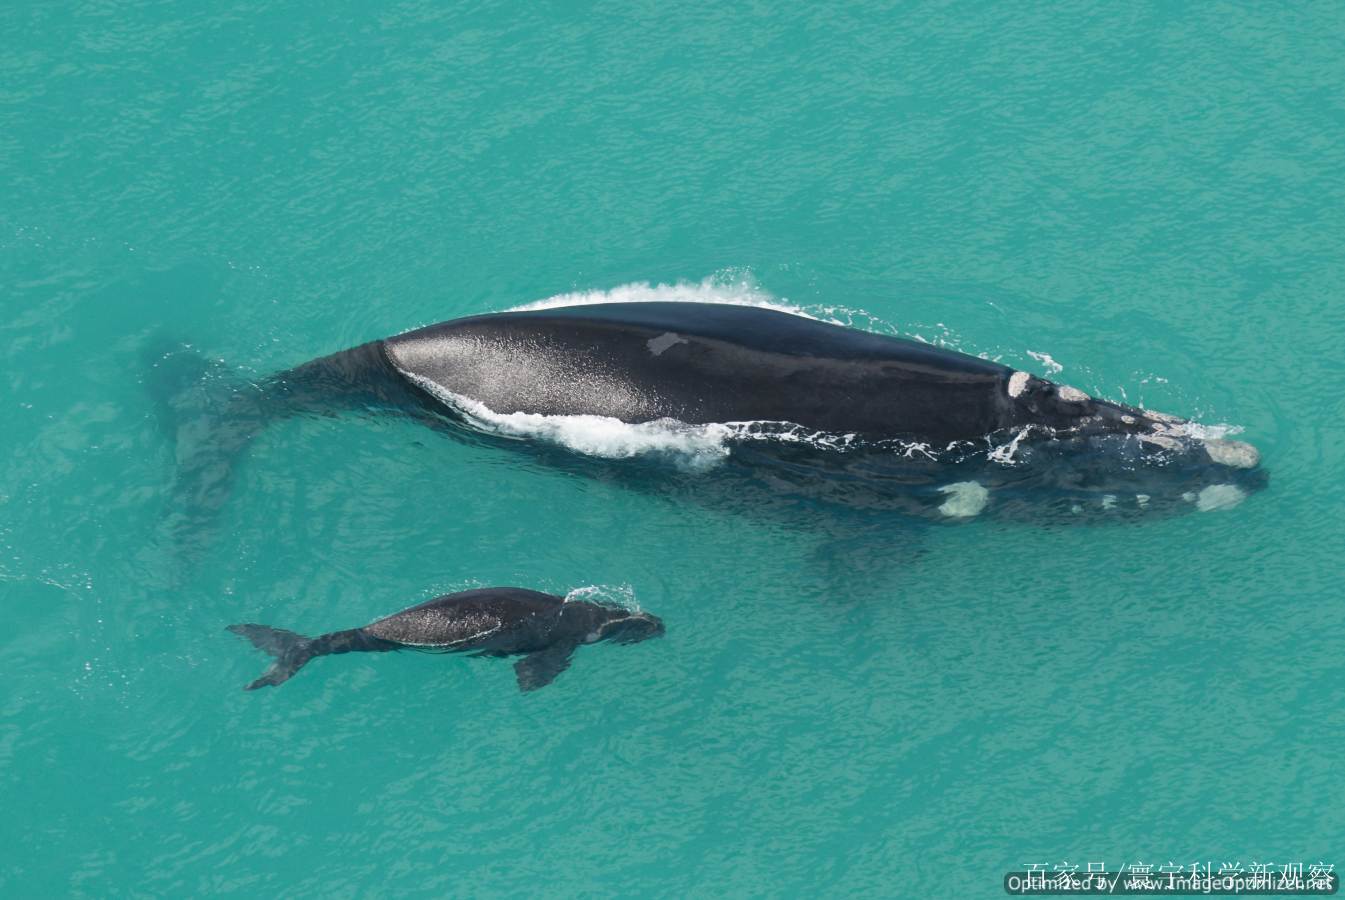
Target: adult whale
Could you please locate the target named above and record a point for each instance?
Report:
(928, 429)
(498, 621)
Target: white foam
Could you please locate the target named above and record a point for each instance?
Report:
(737, 288)
(1052, 367)
(1215, 432)
(1004, 452)
(694, 446)
(622, 595)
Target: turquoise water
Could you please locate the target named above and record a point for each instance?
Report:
(1149, 200)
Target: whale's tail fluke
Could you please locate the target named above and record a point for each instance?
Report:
(210, 414)
(291, 651)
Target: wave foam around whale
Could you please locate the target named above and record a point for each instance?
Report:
(734, 287)
(622, 595)
(739, 288)
(691, 446)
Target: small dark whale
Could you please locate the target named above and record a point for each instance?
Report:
(847, 415)
(498, 621)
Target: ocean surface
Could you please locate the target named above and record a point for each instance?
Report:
(1144, 201)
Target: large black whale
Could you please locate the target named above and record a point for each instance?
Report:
(927, 429)
(498, 621)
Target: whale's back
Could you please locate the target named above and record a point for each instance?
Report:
(702, 363)
(464, 620)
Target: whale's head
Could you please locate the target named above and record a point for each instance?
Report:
(625, 627)
(1106, 459)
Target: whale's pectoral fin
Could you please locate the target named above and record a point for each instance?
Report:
(541, 668)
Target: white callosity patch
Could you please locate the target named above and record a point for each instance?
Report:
(1171, 433)
(1164, 441)
(1070, 394)
(1219, 496)
(965, 499)
(1237, 454)
(1017, 383)
(1142, 500)
(663, 342)
(1108, 501)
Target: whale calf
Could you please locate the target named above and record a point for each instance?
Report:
(498, 621)
(851, 415)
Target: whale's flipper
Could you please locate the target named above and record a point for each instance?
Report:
(291, 651)
(539, 669)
